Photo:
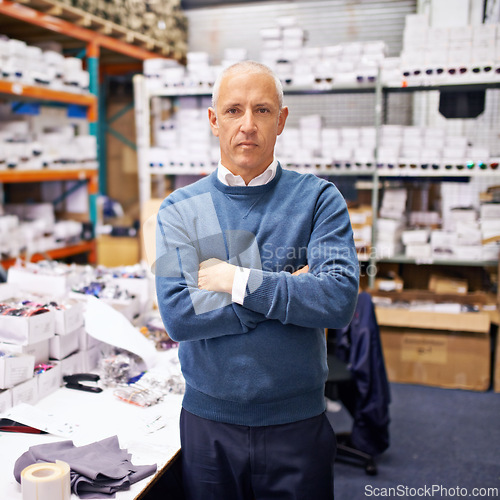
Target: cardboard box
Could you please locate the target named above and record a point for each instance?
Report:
(61, 346)
(130, 308)
(86, 341)
(142, 288)
(458, 360)
(40, 350)
(27, 330)
(5, 400)
(113, 251)
(15, 368)
(445, 284)
(389, 283)
(26, 392)
(49, 381)
(91, 358)
(496, 371)
(463, 322)
(149, 212)
(69, 319)
(56, 286)
(72, 364)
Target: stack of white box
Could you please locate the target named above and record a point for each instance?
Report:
(23, 149)
(391, 223)
(199, 72)
(233, 55)
(52, 338)
(468, 234)
(416, 243)
(30, 65)
(185, 141)
(312, 143)
(351, 63)
(32, 228)
(411, 145)
(434, 55)
(490, 230)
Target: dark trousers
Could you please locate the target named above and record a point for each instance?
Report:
(279, 462)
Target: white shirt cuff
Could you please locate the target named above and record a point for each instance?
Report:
(240, 285)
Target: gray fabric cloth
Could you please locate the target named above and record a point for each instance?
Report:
(98, 470)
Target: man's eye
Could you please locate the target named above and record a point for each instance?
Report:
(263, 110)
(231, 111)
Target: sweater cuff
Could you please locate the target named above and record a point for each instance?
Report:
(239, 285)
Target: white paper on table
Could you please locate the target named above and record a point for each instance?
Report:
(109, 325)
(34, 417)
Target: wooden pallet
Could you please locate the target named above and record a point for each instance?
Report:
(80, 18)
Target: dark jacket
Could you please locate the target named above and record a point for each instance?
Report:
(359, 346)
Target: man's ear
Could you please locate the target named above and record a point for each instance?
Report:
(212, 118)
(282, 119)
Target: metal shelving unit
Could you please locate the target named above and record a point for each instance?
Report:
(99, 37)
(374, 171)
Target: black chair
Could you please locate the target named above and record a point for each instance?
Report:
(357, 378)
(340, 381)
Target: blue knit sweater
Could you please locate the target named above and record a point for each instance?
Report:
(262, 363)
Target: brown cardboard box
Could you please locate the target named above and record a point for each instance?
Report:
(463, 322)
(115, 251)
(458, 360)
(496, 373)
(149, 211)
(438, 349)
(446, 284)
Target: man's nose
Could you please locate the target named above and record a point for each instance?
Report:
(248, 122)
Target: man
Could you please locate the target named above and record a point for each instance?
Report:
(253, 262)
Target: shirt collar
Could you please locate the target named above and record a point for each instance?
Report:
(229, 179)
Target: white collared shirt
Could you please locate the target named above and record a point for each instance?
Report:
(229, 179)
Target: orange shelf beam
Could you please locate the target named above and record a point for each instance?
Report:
(60, 253)
(57, 25)
(19, 176)
(40, 93)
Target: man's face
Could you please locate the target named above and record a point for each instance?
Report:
(247, 122)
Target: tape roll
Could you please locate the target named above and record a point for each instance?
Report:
(46, 481)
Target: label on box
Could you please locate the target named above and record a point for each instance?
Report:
(424, 349)
(27, 392)
(15, 369)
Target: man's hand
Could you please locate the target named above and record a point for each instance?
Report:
(304, 269)
(216, 276)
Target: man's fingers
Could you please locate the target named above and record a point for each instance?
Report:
(210, 262)
(302, 270)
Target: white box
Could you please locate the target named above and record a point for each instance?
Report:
(5, 400)
(44, 284)
(72, 364)
(69, 319)
(27, 330)
(418, 251)
(40, 350)
(91, 358)
(416, 236)
(15, 368)
(49, 381)
(389, 226)
(490, 211)
(86, 341)
(26, 392)
(61, 346)
(468, 252)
